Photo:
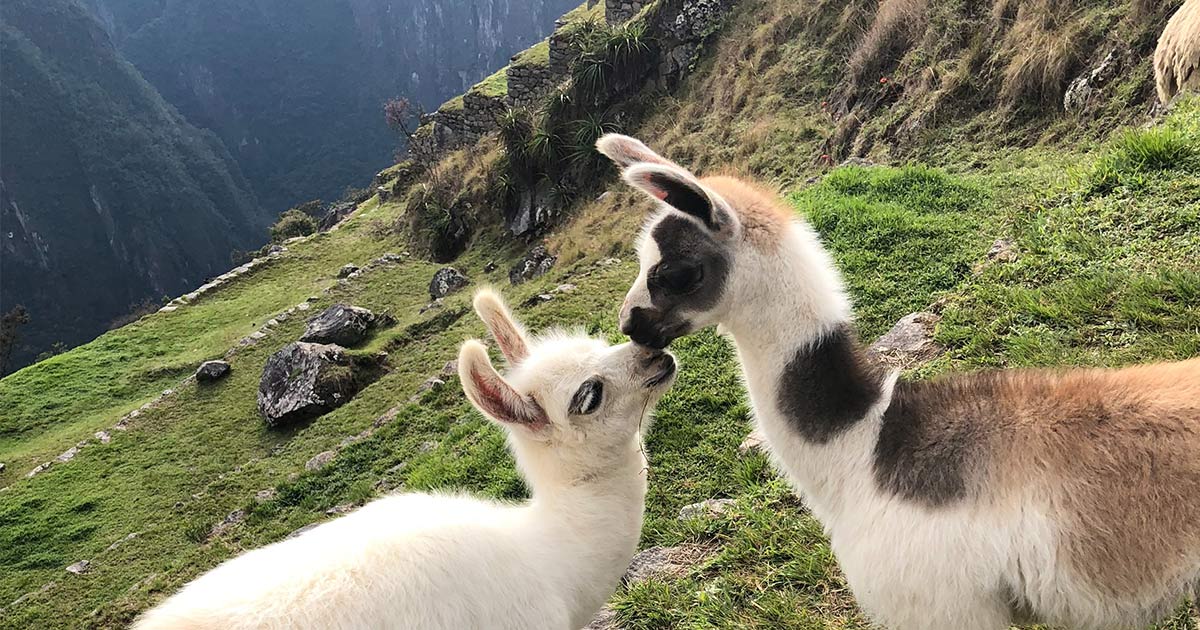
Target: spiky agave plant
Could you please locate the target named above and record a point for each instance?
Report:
(627, 48)
(516, 131)
(586, 131)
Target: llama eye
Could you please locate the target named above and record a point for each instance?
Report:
(587, 398)
(678, 278)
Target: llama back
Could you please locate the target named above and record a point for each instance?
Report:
(400, 562)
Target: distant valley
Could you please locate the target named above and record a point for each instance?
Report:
(145, 140)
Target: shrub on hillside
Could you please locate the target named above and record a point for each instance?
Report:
(312, 208)
(437, 215)
(291, 224)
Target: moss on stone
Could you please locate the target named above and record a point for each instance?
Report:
(495, 86)
(536, 56)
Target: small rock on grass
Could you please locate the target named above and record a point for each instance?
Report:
(709, 508)
(210, 371)
(81, 567)
(910, 342)
(445, 281)
(319, 461)
(658, 562)
(606, 619)
(753, 442)
(302, 530)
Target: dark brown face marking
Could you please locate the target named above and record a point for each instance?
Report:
(690, 276)
(933, 433)
(828, 386)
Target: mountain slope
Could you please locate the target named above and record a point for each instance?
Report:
(296, 90)
(1102, 244)
(107, 196)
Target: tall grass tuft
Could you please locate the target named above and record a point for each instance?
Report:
(1140, 152)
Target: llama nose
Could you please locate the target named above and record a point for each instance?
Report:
(639, 326)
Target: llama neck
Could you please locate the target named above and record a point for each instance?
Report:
(813, 389)
(616, 482)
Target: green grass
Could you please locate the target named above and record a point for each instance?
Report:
(1138, 154)
(453, 105)
(495, 85)
(538, 55)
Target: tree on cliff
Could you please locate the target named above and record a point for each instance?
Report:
(400, 113)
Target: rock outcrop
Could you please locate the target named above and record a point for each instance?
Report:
(210, 371)
(1084, 90)
(445, 281)
(341, 324)
(618, 11)
(303, 381)
(537, 262)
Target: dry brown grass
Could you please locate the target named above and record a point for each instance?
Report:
(1043, 44)
(897, 25)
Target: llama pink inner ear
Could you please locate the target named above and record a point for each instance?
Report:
(505, 330)
(496, 398)
(510, 340)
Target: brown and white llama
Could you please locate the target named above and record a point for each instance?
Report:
(1069, 497)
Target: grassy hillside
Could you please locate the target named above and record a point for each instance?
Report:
(1107, 235)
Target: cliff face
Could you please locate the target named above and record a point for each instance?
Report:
(107, 195)
(295, 89)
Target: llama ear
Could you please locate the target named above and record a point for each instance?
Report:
(509, 334)
(491, 394)
(682, 191)
(626, 151)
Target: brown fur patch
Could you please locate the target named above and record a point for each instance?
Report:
(763, 216)
(1115, 454)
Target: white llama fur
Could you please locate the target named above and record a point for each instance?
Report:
(451, 561)
(1029, 537)
(1177, 56)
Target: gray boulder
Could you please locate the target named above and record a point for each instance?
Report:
(210, 371)
(303, 381)
(910, 342)
(347, 270)
(335, 215)
(340, 324)
(447, 280)
(537, 262)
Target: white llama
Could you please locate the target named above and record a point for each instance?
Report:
(572, 406)
(975, 501)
